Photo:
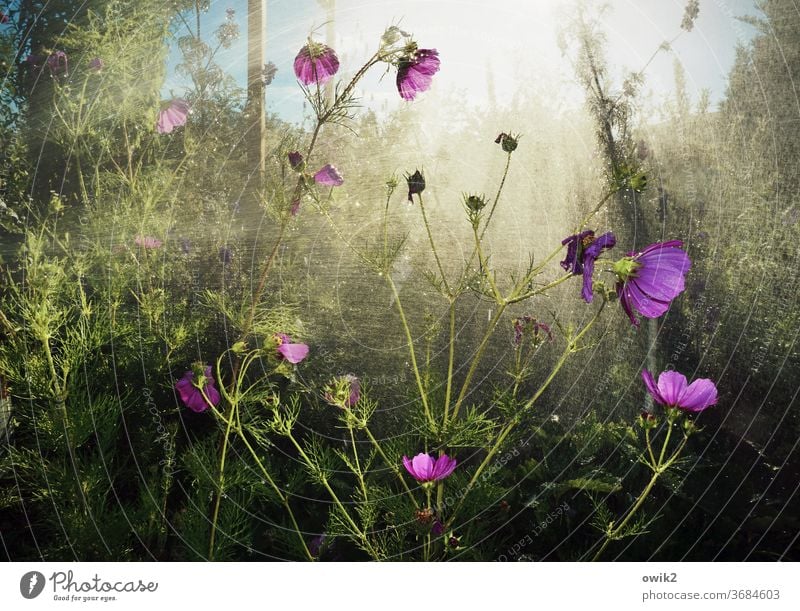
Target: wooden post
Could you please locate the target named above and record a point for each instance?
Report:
(256, 58)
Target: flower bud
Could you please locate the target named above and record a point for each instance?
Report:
(475, 203)
(507, 142)
(416, 184)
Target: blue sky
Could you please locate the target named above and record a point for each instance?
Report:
(513, 40)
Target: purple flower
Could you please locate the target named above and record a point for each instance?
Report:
(174, 115)
(190, 392)
(57, 62)
(295, 207)
(424, 468)
(415, 72)
(96, 64)
(582, 251)
(315, 63)
(296, 161)
(328, 176)
(147, 242)
(437, 530)
(672, 391)
(3, 17)
(416, 184)
(650, 280)
(288, 351)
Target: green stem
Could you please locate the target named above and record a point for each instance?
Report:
(284, 498)
(477, 358)
(571, 347)
(359, 473)
(220, 481)
(450, 361)
(426, 549)
(324, 480)
(484, 265)
(412, 352)
(433, 245)
(392, 465)
(497, 197)
(658, 468)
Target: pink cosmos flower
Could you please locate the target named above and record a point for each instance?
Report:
(415, 72)
(315, 63)
(288, 351)
(424, 468)
(174, 115)
(190, 392)
(147, 242)
(329, 176)
(673, 391)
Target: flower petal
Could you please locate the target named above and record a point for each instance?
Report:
(408, 465)
(624, 299)
(294, 353)
(645, 304)
(699, 395)
(671, 385)
(423, 467)
(329, 176)
(444, 467)
(650, 383)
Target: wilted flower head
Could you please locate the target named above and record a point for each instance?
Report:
(268, 73)
(173, 115)
(648, 281)
(673, 391)
(528, 324)
(147, 241)
(57, 62)
(582, 251)
(296, 160)
(295, 207)
(96, 64)
(289, 351)
(416, 184)
(315, 63)
(328, 176)
(424, 468)
(507, 142)
(343, 391)
(415, 72)
(424, 516)
(191, 388)
(316, 545)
